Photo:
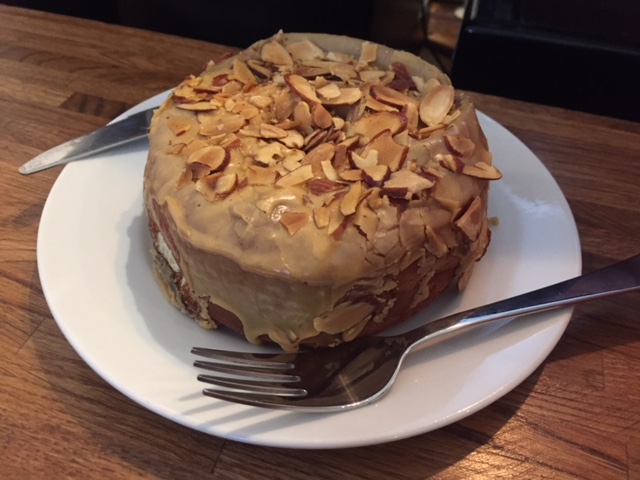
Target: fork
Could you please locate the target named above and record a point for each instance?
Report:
(359, 372)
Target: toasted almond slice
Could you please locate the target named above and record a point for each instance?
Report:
(348, 96)
(260, 101)
(321, 216)
(320, 117)
(371, 125)
(343, 71)
(274, 52)
(349, 202)
(323, 152)
(259, 68)
(302, 117)
(390, 96)
(329, 170)
(371, 160)
(199, 106)
(436, 104)
(368, 53)
(243, 73)
(271, 131)
(214, 156)
(179, 126)
(320, 186)
(304, 50)
(376, 175)
(371, 75)
(227, 123)
(294, 221)
(338, 123)
(270, 153)
(290, 163)
(459, 145)
(302, 88)
(294, 139)
(328, 91)
(389, 152)
(260, 175)
(404, 183)
(354, 175)
(482, 170)
(296, 177)
(378, 106)
(226, 184)
(366, 220)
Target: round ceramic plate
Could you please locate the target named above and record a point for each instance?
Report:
(95, 268)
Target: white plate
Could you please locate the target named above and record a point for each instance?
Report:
(96, 275)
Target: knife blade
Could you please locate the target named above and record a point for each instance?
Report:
(131, 128)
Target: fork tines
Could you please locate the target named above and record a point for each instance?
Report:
(241, 373)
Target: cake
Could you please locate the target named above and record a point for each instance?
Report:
(315, 188)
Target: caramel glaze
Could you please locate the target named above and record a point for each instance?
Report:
(230, 259)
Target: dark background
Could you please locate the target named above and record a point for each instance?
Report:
(577, 54)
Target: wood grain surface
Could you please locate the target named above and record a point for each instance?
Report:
(576, 416)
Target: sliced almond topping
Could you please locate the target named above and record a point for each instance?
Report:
(274, 52)
(270, 153)
(389, 152)
(296, 177)
(371, 160)
(366, 220)
(348, 96)
(368, 53)
(349, 202)
(378, 106)
(245, 109)
(270, 131)
(320, 117)
(482, 170)
(290, 163)
(376, 175)
(371, 125)
(329, 91)
(214, 156)
(302, 88)
(302, 117)
(260, 175)
(285, 104)
(323, 152)
(450, 162)
(404, 183)
(294, 221)
(179, 126)
(470, 222)
(259, 68)
(321, 216)
(344, 71)
(459, 145)
(224, 123)
(294, 139)
(226, 184)
(198, 106)
(304, 50)
(320, 186)
(371, 75)
(260, 101)
(338, 123)
(390, 96)
(243, 73)
(436, 104)
(354, 175)
(329, 170)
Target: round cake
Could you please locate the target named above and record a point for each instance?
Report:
(315, 188)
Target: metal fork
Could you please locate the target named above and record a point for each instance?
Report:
(356, 373)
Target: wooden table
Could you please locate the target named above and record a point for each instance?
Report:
(576, 416)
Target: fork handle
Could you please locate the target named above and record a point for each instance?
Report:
(617, 278)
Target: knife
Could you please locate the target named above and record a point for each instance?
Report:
(131, 128)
